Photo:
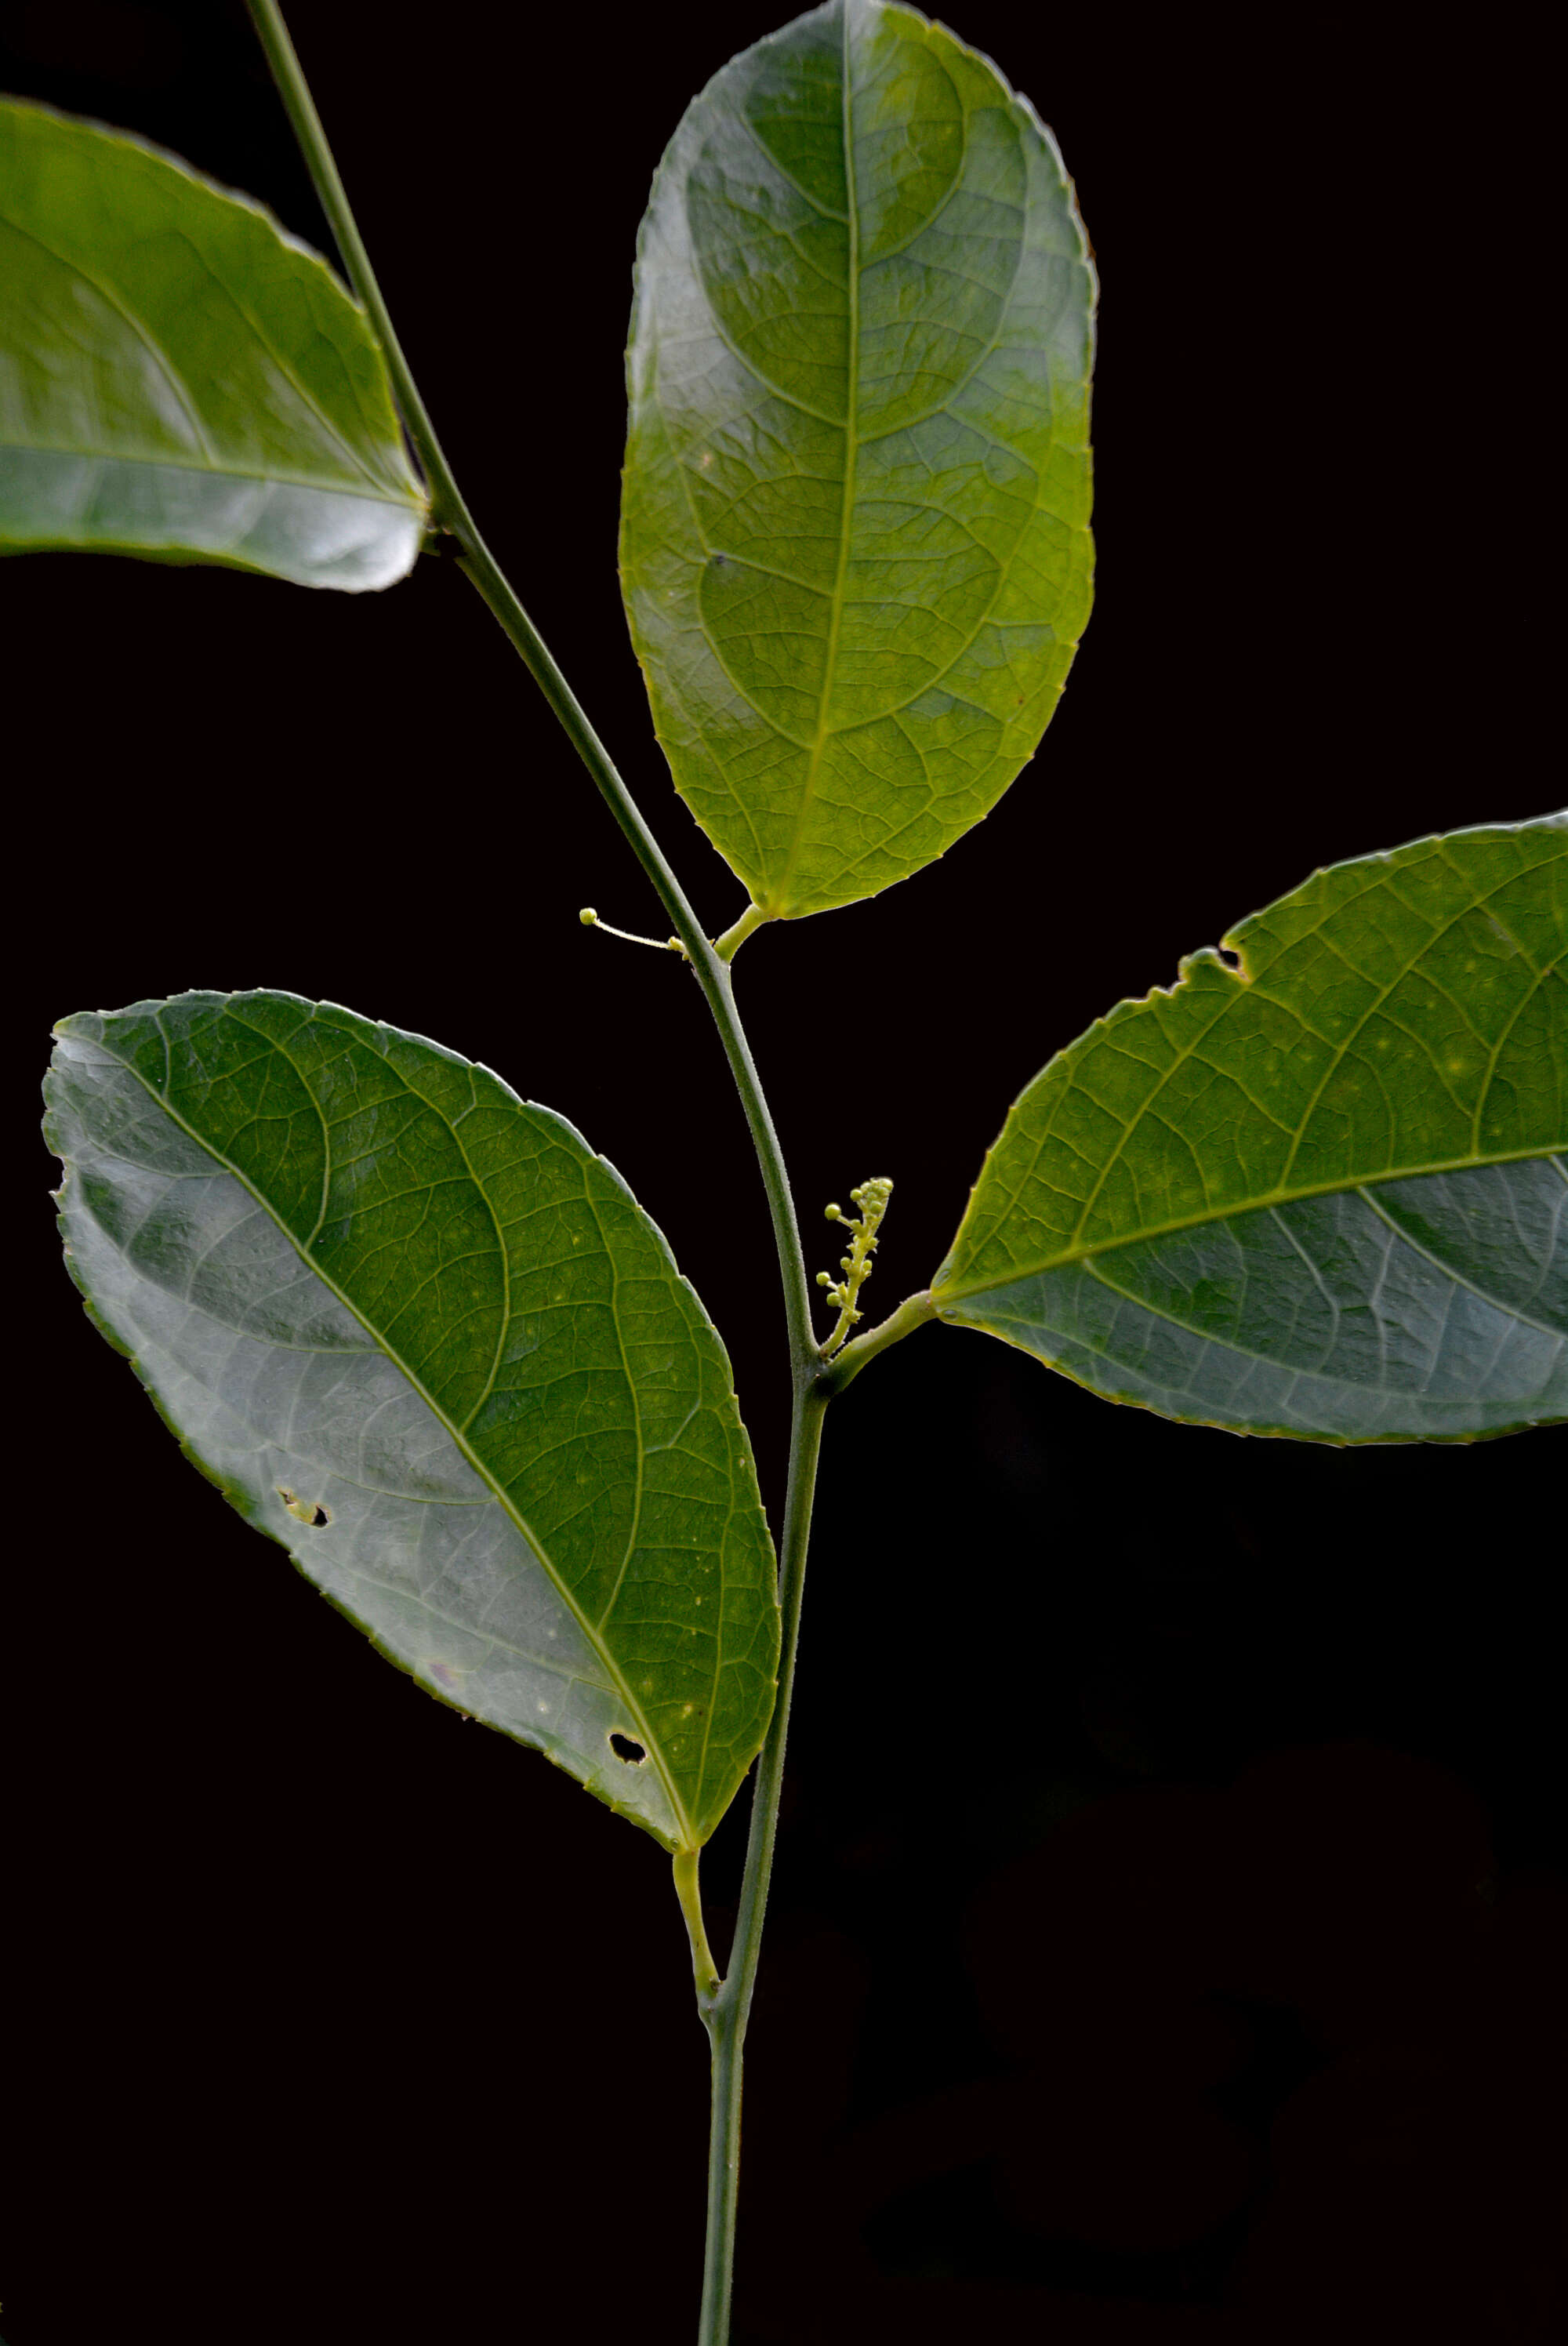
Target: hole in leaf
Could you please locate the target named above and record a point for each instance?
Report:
(306, 1511)
(1231, 960)
(624, 1749)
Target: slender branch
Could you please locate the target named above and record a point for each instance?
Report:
(446, 505)
(590, 920)
(713, 974)
(480, 566)
(727, 2014)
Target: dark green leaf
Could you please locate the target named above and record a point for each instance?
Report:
(855, 542)
(1324, 1194)
(179, 378)
(419, 1333)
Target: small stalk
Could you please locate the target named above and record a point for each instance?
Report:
(846, 1364)
(590, 920)
(704, 1970)
(729, 943)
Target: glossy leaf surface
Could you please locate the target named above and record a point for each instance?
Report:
(179, 378)
(1323, 1194)
(855, 544)
(415, 1330)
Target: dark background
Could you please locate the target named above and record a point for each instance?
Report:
(1170, 1918)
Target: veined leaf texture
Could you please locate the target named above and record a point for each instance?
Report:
(855, 545)
(1323, 1192)
(180, 378)
(415, 1330)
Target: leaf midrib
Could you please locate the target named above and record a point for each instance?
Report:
(1236, 999)
(1341, 1185)
(503, 1496)
(1294, 1370)
(1244, 986)
(779, 896)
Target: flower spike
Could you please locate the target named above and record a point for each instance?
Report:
(872, 1197)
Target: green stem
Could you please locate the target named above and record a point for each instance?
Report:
(480, 565)
(446, 505)
(727, 2014)
(713, 974)
(724, 2008)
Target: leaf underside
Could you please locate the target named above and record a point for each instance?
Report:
(855, 547)
(182, 379)
(1325, 1194)
(414, 1328)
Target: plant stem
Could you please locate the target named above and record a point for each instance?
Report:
(727, 2013)
(450, 512)
(713, 974)
(726, 2007)
(446, 503)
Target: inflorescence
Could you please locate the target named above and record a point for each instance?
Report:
(872, 1197)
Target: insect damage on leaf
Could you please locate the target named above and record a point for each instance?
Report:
(378, 1294)
(305, 1511)
(1316, 1187)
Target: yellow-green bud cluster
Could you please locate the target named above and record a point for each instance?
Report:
(872, 1197)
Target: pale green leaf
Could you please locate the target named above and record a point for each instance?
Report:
(1325, 1193)
(180, 378)
(415, 1330)
(855, 544)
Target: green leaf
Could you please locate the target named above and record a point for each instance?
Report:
(415, 1330)
(855, 544)
(1323, 1194)
(180, 378)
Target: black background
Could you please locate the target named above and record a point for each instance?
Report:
(1170, 1920)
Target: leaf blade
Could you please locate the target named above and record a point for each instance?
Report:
(535, 1480)
(855, 550)
(1331, 1155)
(182, 379)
